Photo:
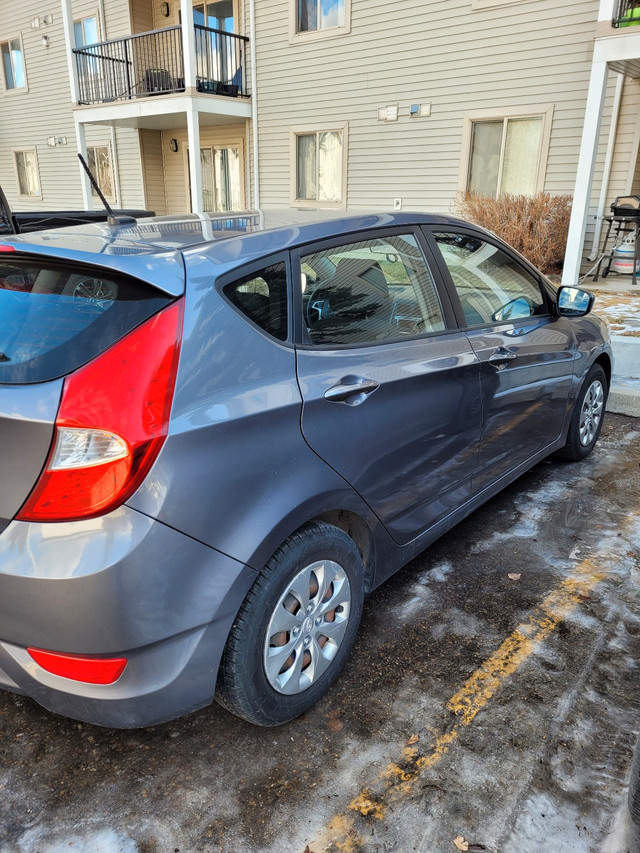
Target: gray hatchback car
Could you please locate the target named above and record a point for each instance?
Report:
(216, 437)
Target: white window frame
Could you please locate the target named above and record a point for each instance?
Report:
(22, 195)
(543, 111)
(109, 197)
(310, 203)
(313, 35)
(16, 89)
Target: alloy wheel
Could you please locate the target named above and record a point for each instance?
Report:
(591, 414)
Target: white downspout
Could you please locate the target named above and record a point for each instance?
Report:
(606, 174)
(254, 103)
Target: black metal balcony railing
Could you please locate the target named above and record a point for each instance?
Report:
(627, 13)
(152, 64)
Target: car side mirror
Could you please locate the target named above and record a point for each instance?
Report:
(574, 302)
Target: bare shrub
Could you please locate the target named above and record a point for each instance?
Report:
(537, 227)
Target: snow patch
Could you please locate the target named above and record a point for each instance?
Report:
(105, 841)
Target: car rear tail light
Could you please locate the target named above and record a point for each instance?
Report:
(91, 670)
(112, 421)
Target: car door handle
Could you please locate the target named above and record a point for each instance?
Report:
(349, 389)
(501, 356)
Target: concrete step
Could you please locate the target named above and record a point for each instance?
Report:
(624, 394)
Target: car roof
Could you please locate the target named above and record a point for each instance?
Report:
(239, 237)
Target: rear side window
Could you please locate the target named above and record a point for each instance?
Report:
(262, 297)
(55, 317)
(373, 291)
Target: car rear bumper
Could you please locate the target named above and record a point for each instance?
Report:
(102, 587)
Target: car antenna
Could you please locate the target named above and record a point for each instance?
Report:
(112, 219)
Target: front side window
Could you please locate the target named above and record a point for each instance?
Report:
(99, 162)
(262, 297)
(505, 156)
(27, 169)
(366, 292)
(492, 286)
(319, 167)
(316, 15)
(13, 64)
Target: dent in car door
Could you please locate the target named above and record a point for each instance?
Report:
(527, 354)
(391, 399)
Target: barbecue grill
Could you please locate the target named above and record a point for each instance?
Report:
(624, 220)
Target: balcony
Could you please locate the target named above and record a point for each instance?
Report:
(627, 13)
(152, 63)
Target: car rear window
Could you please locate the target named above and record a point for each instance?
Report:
(54, 316)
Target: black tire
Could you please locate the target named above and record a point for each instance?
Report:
(251, 682)
(634, 787)
(587, 417)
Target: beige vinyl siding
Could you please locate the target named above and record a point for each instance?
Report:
(141, 16)
(635, 186)
(153, 171)
(536, 52)
(30, 117)
(625, 149)
(175, 164)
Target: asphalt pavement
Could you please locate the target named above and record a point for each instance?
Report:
(491, 704)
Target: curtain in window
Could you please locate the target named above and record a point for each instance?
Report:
(208, 185)
(227, 178)
(99, 162)
(307, 15)
(13, 65)
(515, 141)
(330, 166)
(27, 173)
(486, 141)
(521, 155)
(307, 185)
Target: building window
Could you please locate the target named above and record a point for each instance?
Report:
(99, 162)
(27, 168)
(319, 18)
(13, 64)
(505, 154)
(85, 31)
(319, 167)
(320, 15)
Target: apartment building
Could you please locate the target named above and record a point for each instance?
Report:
(335, 104)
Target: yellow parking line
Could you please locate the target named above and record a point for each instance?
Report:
(396, 781)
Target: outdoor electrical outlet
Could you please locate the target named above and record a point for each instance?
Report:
(397, 204)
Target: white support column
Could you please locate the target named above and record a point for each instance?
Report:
(584, 176)
(81, 140)
(188, 44)
(67, 25)
(195, 170)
